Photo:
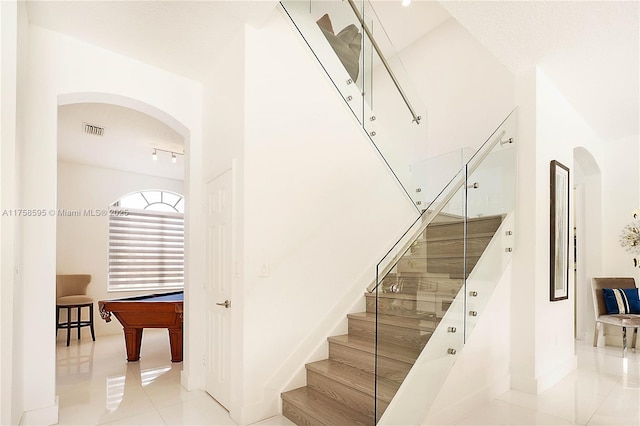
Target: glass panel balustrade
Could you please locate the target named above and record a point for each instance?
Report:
(433, 286)
(431, 175)
(349, 41)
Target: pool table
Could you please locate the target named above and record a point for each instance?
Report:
(136, 313)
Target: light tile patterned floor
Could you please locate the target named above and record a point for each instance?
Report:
(97, 386)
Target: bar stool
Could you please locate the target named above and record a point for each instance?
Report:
(71, 292)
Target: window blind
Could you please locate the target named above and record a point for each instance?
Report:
(146, 250)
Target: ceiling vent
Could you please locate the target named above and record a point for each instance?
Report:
(92, 129)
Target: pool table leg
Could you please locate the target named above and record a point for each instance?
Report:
(175, 341)
(133, 339)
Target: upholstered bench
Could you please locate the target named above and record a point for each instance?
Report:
(622, 313)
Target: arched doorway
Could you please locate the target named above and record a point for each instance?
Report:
(587, 199)
(106, 182)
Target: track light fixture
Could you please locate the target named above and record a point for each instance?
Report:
(174, 159)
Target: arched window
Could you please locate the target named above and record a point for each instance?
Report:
(146, 242)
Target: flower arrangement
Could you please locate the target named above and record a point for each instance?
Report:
(630, 239)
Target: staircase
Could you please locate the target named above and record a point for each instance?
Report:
(411, 302)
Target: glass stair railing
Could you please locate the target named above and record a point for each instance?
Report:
(432, 286)
(433, 174)
(351, 45)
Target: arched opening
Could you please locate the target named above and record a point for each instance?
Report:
(133, 130)
(587, 196)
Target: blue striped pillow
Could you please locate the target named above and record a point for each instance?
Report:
(622, 300)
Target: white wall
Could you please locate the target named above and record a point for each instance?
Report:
(59, 68)
(481, 371)
(587, 184)
(550, 129)
(82, 241)
(8, 116)
(463, 107)
(223, 149)
(620, 197)
(320, 209)
(620, 174)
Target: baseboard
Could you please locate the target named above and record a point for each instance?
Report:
(41, 416)
(192, 381)
(456, 412)
(256, 413)
(524, 384)
(536, 386)
(554, 376)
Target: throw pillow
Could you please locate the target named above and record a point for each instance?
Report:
(622, 300)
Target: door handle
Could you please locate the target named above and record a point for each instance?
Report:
(226, 304)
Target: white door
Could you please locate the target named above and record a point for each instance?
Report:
(218, 287)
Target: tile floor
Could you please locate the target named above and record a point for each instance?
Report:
(97, 386)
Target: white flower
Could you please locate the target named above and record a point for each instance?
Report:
(630, 237)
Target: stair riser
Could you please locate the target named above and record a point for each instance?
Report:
(407, 337)
(457, 228)
(298, 415)
(451, 247)
(305, 406)
(447, 265)
(402, 307)
(343, 394)
(424, 285)
(388, 368)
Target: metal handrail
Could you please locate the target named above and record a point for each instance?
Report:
(416, 118)
(471, 167)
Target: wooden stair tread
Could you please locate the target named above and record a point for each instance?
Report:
(421, 296)
(387, 350)
(420, 274)
(438, 256)
(340, 390)
(355, 378)
(325, 410)
(471, 219)
(423, 323)
(456, 237)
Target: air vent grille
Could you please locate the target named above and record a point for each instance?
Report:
(92, 129)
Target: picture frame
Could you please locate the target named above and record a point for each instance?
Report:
(559, 231)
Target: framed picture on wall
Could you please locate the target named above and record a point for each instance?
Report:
(559, 232)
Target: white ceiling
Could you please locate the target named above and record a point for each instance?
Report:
(589, 49)
(126, 144)
(405, 25)
(179, 36)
